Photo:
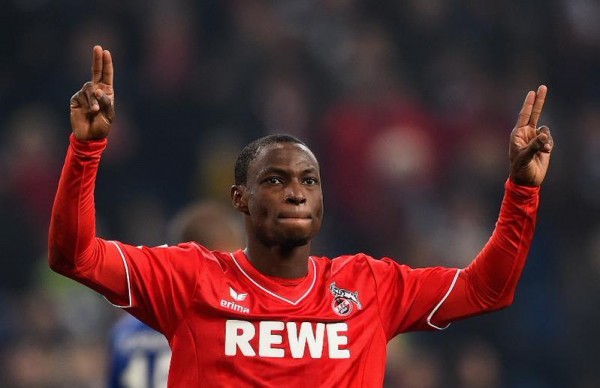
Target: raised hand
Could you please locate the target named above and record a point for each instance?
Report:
(93, 107)
(530, 146)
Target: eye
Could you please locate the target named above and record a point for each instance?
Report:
(311, 181)
(273, 180)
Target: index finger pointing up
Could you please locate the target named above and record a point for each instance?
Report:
(102, 66)
(540, 97)
(107, 68)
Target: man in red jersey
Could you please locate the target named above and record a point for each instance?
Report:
(272, 314)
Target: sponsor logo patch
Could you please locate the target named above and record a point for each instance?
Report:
(237, 297)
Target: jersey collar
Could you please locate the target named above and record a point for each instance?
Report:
(286, 290)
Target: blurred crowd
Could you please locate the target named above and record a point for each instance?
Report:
(408, 106)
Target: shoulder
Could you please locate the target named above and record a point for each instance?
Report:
(346, 262)
(188, 257)
(189, 251)
(362, 262)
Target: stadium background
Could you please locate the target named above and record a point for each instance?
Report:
(408, 105)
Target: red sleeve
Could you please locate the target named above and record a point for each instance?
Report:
(73, 249)
(430, 298)
(408, 297)
(490, 281)
(150, 281)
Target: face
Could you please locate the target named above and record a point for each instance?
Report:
(282, 198)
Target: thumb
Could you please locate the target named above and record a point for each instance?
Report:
(541, 143)
(106, 105)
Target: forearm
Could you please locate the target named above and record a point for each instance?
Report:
(490, 281)
(497, 269)
(73, 222)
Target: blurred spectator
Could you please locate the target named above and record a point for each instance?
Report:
(478, 366)
(378, 141)
(412, 364)
(30, 166)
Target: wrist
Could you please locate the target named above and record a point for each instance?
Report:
(87, 147)
(521, 190)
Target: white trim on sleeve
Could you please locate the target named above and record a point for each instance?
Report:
(130, 304)
(437, 307)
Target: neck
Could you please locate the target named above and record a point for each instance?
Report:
(287, 263)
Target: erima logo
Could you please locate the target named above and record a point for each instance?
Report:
(237, 297)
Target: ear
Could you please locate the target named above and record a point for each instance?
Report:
(239, 198)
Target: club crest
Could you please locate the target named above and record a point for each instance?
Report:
(343, 300)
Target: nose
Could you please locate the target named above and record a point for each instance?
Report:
(294, 194)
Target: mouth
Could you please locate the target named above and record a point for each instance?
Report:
(294, 216)
(295, 222)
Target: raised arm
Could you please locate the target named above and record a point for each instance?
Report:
(73, 249)
(490, 281)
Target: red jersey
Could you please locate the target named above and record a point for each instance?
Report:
(229, 325)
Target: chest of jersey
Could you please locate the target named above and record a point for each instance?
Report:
(328, 317)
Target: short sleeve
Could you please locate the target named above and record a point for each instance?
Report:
(408, 298)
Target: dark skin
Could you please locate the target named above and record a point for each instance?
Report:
(282, 200)
(93, 107)
(282, 204)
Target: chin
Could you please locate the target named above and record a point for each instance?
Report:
(294, 238)
(290, 243)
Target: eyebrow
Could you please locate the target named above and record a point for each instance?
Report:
(282, 171)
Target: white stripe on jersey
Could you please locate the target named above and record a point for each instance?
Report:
(437, 307)
(274, 294)
(128, 281)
